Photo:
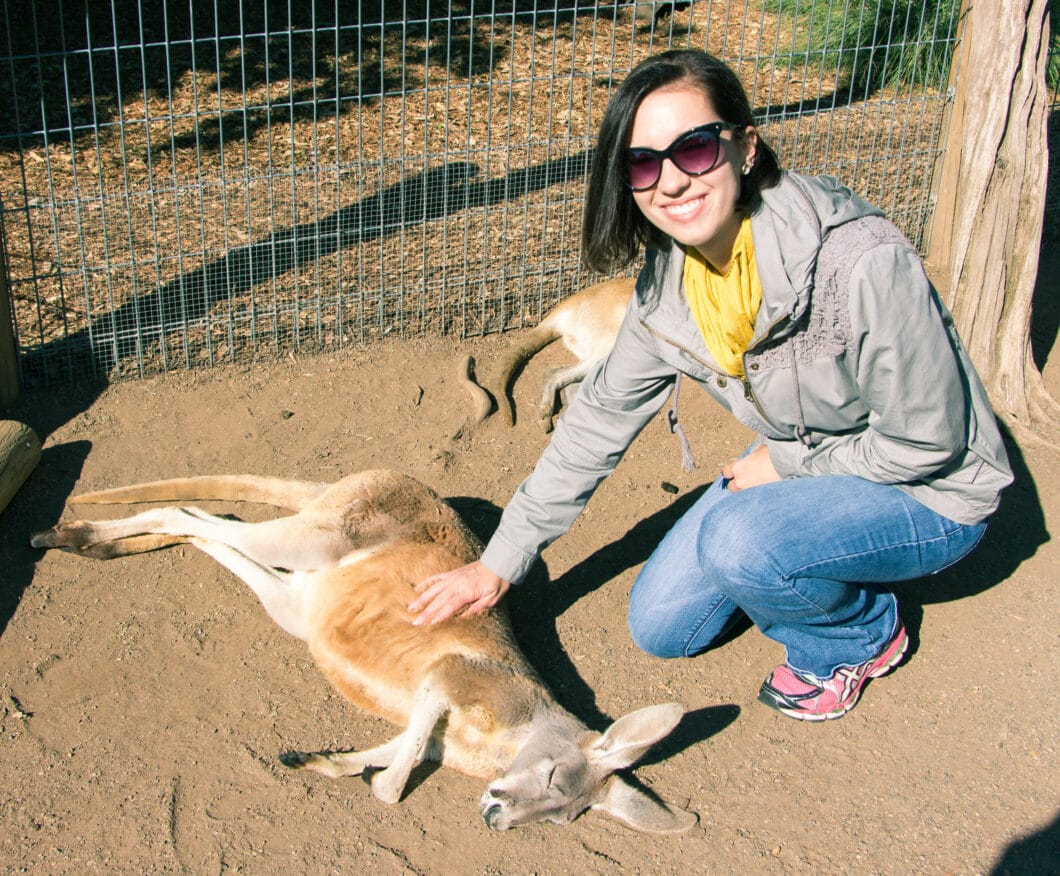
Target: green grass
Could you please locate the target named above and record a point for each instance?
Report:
(875, 43)
(883, 42)
(1052, 69)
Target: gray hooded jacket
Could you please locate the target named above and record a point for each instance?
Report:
(855, 368)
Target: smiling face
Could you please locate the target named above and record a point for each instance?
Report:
(698, 211)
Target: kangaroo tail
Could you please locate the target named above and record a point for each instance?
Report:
(512, 364)
(481, 401)
(234, 488)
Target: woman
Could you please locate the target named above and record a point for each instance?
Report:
(807, 315)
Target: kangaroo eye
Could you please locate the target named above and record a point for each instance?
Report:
(554, 777)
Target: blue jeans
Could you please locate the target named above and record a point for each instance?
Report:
(803, 558)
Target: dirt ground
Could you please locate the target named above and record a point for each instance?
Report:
(144, 701)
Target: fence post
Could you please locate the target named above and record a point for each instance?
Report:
(8, 358)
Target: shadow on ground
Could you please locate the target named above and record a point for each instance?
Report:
(1038, 852)
(537, 602)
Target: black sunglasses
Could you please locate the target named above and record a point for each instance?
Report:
(694, 152)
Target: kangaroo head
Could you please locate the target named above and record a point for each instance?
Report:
(564, 770)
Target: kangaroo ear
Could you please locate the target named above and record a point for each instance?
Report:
(626, 741)
(642, 811)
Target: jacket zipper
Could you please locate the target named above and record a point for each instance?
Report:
(748, 392)
(749, 395)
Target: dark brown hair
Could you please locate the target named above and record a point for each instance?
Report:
(613, 227)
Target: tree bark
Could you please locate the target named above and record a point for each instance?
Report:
(987, 226)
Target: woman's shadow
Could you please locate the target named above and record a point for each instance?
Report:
(1014, 534)
(535, 604)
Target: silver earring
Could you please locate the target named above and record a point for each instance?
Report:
(746, 169)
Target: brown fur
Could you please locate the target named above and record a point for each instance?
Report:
(587, 322)
(339, 573)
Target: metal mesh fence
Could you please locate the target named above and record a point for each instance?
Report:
(190, 182)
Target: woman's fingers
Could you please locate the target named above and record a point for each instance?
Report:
(751, 470)
(467, 590)
(442, 599)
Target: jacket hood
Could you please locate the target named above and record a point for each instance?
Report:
(789, 227)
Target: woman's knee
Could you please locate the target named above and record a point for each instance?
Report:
(647, 638)
(651, 629)
(733, 553)
(684, 626)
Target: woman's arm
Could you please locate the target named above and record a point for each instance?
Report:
(615, 401)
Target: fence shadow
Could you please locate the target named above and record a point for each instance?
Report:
(143, 320)
(76, 70)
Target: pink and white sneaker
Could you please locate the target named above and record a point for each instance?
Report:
(809, 698)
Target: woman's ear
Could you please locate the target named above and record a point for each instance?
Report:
(749, 145)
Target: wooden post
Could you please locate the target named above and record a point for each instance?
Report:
(940, 229)
(8, 357)
(19, 445)
(19, 455)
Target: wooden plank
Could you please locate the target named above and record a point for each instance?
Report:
(947, 167)
(19, 455)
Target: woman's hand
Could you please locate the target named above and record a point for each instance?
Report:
(468, 590)
(752, 470)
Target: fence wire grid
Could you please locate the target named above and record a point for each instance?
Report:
(191, 183)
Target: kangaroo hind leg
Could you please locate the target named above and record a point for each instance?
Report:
(285, 542)
(557, 379)
(278, 591)
(126, 547)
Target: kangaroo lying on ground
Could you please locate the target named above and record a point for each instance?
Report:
(338, 574)
(588, 323)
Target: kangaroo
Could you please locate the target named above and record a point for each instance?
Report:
(338, 574)
(588, 323)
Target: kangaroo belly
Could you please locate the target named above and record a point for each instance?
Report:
(361, 634)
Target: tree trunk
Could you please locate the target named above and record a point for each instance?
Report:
(987, 226)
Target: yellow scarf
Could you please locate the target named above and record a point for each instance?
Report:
(724, 306)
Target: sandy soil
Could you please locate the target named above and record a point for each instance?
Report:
(144, 700)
